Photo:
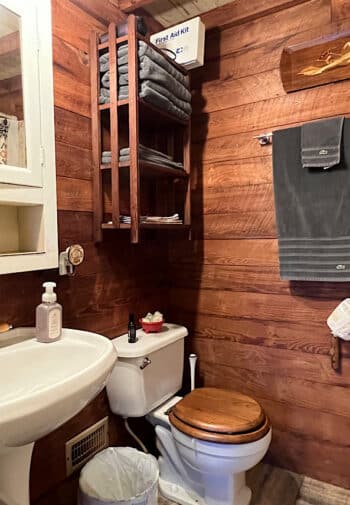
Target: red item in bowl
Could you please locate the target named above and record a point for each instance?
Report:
(152, 327)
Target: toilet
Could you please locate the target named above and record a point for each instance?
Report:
(207, 440)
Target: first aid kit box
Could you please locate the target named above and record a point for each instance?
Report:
(183, 42)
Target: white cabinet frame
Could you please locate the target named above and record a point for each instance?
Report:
(36, 184)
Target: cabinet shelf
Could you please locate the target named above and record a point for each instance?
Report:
(137, 186)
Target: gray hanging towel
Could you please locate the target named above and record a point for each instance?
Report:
(321, 143)
(312, 211)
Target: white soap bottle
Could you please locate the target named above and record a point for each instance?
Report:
(49, 316)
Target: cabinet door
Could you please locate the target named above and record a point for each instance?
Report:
(21, 154)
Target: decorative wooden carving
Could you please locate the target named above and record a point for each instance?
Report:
(316, 62)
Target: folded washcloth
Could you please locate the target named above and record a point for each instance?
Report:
(321, 143)
(312, 211)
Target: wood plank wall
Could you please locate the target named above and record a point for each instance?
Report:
(252, 331)
(116, 278)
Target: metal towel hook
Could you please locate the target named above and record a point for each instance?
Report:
(264, 138)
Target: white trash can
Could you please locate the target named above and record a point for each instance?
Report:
(119, 476)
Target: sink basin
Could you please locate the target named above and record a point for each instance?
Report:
(41, 387)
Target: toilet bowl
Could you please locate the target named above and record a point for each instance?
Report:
(207, 440)
(215, 437)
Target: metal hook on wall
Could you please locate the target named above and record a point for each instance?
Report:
(264, 138)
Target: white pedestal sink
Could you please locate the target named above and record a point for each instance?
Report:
(41, 387)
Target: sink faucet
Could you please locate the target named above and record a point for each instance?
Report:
(5, 327)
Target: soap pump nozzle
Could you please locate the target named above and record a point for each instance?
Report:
(49, 296)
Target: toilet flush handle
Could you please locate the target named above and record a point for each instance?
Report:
(145, 362)
(193, 360)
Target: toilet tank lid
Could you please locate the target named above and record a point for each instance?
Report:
(149, 342)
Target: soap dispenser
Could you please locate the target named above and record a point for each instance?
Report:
(49, 316)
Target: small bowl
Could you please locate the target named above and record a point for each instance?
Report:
(152, 327)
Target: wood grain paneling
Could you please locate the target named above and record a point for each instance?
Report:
(105, 11)
(170, 13)
(73, 161)
(73, 25)
(340, 9)
(130, 5)
(252, 331)
(252, 60)
(241, 12)
(313, 104)
(296, 336)
(242, 91)
(266, 28)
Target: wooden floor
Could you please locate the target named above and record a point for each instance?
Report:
(274, 486)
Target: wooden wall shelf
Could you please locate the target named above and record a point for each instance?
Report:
(129, 123)
(147, 226)
(148, 112)
(148, 169)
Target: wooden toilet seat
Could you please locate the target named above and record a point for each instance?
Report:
(221, 416)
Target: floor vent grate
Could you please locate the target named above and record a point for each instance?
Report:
(82, 447)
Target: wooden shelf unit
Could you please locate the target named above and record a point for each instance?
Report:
(132, 115)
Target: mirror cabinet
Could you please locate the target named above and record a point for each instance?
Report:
(28, 214)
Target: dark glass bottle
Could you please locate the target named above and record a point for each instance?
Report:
(131, 329)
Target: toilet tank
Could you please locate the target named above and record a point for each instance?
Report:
(147, 372)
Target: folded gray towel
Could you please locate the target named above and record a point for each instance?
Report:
(152, 96)
(321, 142)
(104, 62)
(160, 101)
(104, 96)
(145, 153)
(147, 50)
(144, 50)
(312, 211)
(149, 70)
(125, 151)
(181, 104)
